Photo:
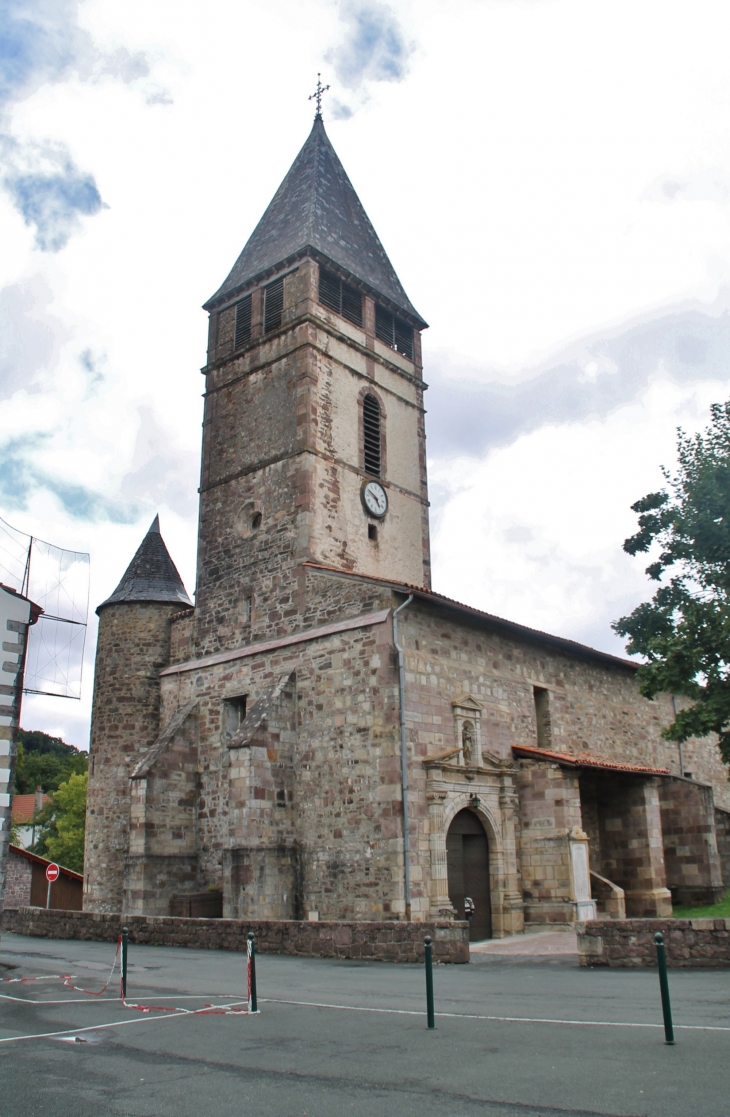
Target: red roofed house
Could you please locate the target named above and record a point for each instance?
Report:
(24, 810)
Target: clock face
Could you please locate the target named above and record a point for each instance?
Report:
(374, 498)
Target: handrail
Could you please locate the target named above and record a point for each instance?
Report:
(604, 880)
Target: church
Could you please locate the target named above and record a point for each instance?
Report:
(321, 735)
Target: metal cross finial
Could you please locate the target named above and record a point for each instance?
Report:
(317, 96)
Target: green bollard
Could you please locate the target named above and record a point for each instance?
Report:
(429, 983)
(661, 961)
(252, 1003)
(125, 947)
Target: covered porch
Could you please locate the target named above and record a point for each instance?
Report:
(651, 836)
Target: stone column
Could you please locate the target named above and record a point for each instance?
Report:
(631, 837)
(513, 908)
(693, 867)
(441, 906)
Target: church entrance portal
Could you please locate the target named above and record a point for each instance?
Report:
(467, 862)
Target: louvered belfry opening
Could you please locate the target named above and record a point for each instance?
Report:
(243, 322)
(394, 331)
(371, 435)
(340, 296)
(273, 305)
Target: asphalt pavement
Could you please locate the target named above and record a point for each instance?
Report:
(524, 1036)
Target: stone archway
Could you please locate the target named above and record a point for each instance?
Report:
(467, 862)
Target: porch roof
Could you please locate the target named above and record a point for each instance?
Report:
(586, 760)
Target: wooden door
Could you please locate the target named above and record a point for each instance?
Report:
(467, 865)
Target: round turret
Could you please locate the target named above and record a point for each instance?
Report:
(133, 646)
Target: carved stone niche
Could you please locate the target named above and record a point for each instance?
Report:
(467, 730)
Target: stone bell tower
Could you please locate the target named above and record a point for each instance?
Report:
(313, 437)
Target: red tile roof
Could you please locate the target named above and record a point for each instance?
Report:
(24, 807)
(586, 760)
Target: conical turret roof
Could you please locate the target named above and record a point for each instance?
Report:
(151, 575)
(316, 208)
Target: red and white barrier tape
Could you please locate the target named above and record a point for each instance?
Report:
(68, 978)
(231, 1009)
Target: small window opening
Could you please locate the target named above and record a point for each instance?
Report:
(371, 435)
(247, 609)
(273, 305)
(243, 322)
(340, 296)
(542, 717)
(373, 533)
(234, 714)
(394, 331)
(255, 521)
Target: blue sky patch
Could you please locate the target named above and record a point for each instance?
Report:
(52, 203)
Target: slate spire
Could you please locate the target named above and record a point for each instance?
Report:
(316, 208)
(151, 575)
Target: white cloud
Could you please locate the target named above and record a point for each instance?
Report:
(549, 180)
(374, 48)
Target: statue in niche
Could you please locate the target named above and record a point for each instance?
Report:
(467, 742)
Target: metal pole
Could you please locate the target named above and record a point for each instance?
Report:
(253, 1004)
(429, 984)
(48, 895)
(125, 947)
(661, 961)
(403, 756)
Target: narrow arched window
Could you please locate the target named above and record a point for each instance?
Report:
(371, 435)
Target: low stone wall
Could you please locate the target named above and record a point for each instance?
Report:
(630, 942)
(389, 941)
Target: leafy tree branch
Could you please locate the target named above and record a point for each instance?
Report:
(684, 631)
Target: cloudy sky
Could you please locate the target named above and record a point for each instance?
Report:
(551, 179)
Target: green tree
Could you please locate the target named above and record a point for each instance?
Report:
(45, 761)
(684, 631)
(62, 824)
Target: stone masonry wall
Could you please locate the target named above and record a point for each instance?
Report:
(327, 790)
(378, 942)
(341, 833)
(594, 705)
(629, 943)
(320, 807)
(694, 871)
(133, 645)
(632, 854)
(550, 808)
(163, 838)
(18, 878)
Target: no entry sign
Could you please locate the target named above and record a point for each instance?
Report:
(52, 873)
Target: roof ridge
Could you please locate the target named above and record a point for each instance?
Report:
(428, 594)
